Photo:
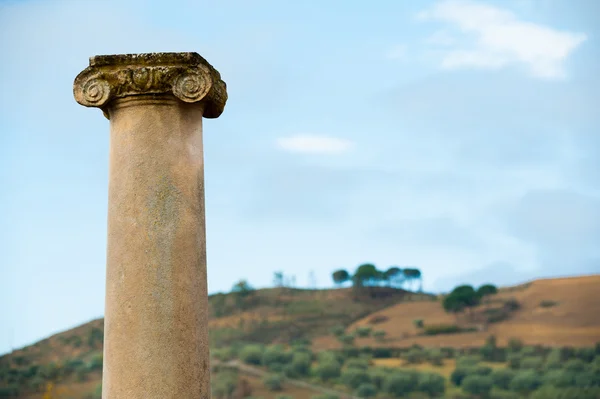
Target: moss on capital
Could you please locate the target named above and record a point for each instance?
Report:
(187, 76)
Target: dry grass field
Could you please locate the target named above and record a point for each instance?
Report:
(552, 312)
(573, 321)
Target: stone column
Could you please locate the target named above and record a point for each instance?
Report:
(156, 317)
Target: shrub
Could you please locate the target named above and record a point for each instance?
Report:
(418, 323)
(501, 378)
(97, 392)
(73, 365)
(567, 353)
(449, 353)
(431, 383)
(288, 371)
(382, 353)
(277, 368)
(349, 352)
(76, 341)
(331, 356)
(95, 336)
(527, 351)
(273, 382)
(360, 364)
(52, 370)
(553, 360)
(284, 397)
(223, 384)
(377, 377)
(478, 385)
(414, 356)
(338, 331)
(559, 378)
(363, 332)
(488, 350)
(400, 383)
(223, 354)
(576, 365)
(435, 357)
(32, 371)
(548, 303)
(10, 391)
(328, 370)
(512, 304)
(459, 374)
(515, 345)
(275, 355)
(531, 363)
(514, 361)
(252, 354)
(366, 390)
(441, 329)
(585, 354)
(346, 339)
(353, 377)
(378, 319)
(21, 360)
(501, 394)
(467, 361)
(325, 396)
(301, 363)
(379, 335)
(301, 343)
(81, 374)
(525, 382)
(482, 370)
(549, 392)
(587, 379)
(496, 315)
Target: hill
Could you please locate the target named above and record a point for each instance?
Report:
(550, 312)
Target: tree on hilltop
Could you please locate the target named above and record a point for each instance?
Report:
(461, 298)
(366, 275)
(242, 288)
(487, 290)
(340, 276)
(412, 274)
(278, 279)
(394, 276)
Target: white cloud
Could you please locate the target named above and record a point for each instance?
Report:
(314, 144)
(496, 38)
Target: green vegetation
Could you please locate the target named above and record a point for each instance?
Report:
(514, 371)
(274, 382)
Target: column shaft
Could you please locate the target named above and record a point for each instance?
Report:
(156, 322)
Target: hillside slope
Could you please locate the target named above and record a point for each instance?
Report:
(553, 312)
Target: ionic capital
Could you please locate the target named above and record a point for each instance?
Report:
(187, 76)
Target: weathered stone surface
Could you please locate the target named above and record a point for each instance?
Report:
(188, 76)
(156, 317)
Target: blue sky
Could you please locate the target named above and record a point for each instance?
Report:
(459, 137)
